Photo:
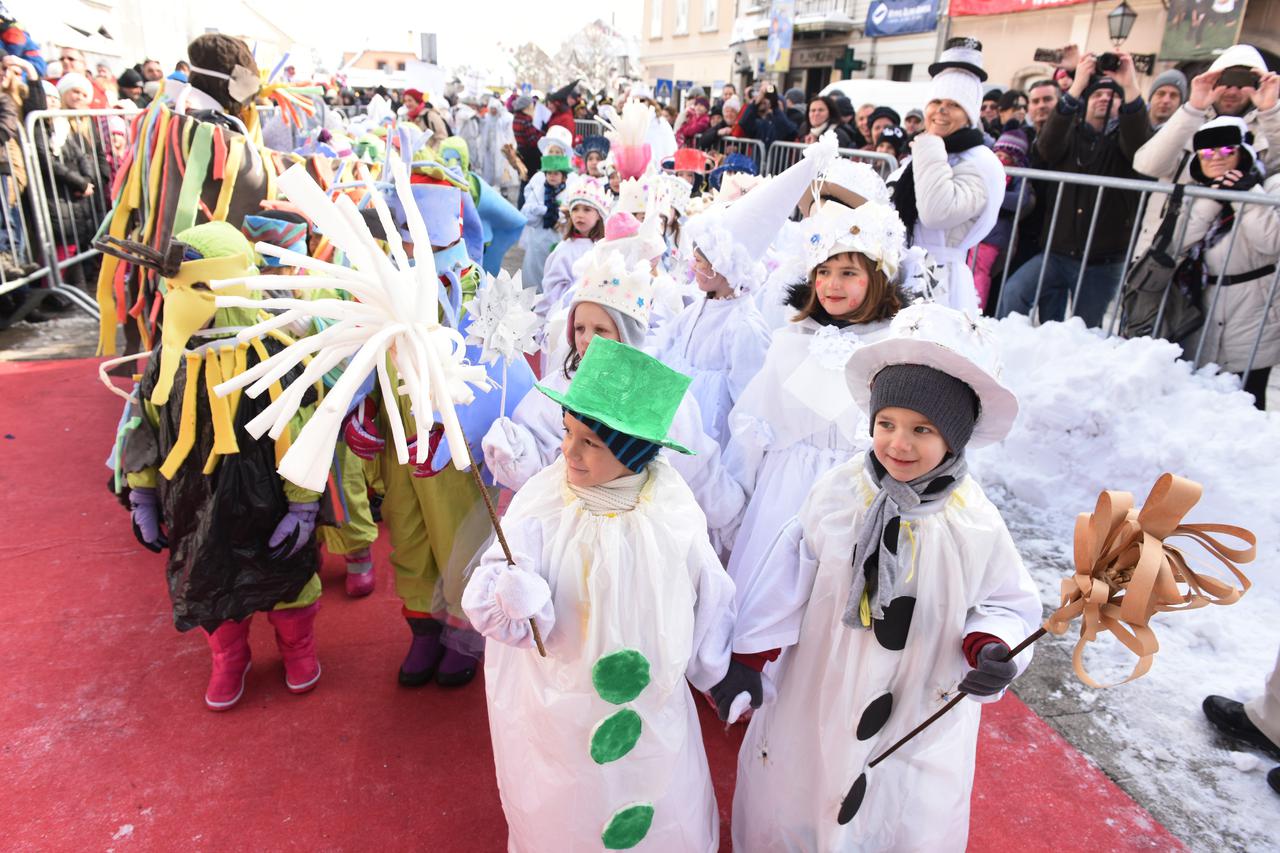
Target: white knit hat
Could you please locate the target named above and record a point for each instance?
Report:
(606, 279)
(74, 80)
(958, 76)
(584, 189)
(734, 238)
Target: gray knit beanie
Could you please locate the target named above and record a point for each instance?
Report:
(1172, 77)
(946, 401)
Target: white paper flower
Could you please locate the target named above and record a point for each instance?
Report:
(396, 319)
(503, 323)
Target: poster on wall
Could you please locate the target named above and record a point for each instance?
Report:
(1201, 30)
(1002, 7)
(782, 14)
(901, 17)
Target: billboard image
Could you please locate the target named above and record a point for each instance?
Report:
(901, 17)
(782, 14)
(1201, 30)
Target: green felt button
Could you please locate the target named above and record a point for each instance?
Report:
(627, 827)
(614, 736)
(620, 676)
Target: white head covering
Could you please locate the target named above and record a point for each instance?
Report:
(958, 76)
(1240, 54)
(74, 80)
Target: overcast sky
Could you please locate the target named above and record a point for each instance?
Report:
(468, 33)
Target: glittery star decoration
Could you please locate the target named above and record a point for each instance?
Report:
(503, 322)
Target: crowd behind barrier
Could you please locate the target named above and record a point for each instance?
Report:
(49, 221)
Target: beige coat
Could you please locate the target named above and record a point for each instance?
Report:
(1160, 157)
(1232, 328)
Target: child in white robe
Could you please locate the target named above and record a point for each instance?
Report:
(598, 743)
(905, 587)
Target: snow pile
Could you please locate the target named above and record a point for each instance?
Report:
(1109, 413)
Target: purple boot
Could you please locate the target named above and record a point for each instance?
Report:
(424, 652)
(456, 668)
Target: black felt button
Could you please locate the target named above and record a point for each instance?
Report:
(891, 528)
(853, 799)
(891, 631)
(875, 716)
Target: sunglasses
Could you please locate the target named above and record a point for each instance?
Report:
(1224, 152)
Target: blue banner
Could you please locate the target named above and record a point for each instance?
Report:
(901, 17)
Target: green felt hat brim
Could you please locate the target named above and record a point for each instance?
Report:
(610, 420)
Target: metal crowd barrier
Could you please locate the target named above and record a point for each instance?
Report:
(752, 148)
(587, 127)
(1113, 315)
(783, 155)
(22, 253)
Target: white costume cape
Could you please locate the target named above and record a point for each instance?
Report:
(721, 343)
(802, 754)
(646, 580)
(780, 443)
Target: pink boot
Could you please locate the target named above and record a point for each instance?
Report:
(360, 578)
(230, 646)
(296, 637)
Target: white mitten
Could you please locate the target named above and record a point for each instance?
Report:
(521, 594)
(498, 452)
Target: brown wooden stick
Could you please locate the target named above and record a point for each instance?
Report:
(954, 702)
(502, 539)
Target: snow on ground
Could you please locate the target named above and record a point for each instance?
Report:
(1109, 413)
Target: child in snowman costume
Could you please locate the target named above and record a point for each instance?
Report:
(598, 745)
(612, 300)
(721, 340)
(905, 586)
(797, 420)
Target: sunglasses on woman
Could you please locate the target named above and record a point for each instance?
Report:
(1222, 153)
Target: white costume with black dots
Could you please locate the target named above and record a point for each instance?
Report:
(847, 694)
(644, 580)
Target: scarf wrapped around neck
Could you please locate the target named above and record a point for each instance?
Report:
(904, 190)
(876, 570)
(620, 495)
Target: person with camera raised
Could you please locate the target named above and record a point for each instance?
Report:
(1096, 128)
(1236, 84)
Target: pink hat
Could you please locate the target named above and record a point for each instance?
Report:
(621, 225)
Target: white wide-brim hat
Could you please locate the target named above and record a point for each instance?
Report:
(946, 340)
(557, 135)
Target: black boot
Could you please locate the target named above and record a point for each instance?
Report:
(1273, 779)
(424, 652)
(1228, 717)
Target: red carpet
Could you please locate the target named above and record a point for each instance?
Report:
(107, 744)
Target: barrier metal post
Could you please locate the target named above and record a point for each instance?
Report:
(782, 155)
(587, 127)
(1257, 339)
(1084, 258)
(1013, 244)
(752, 148)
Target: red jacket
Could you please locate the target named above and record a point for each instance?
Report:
(564, 118)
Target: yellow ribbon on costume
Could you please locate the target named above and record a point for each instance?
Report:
(224, 434)
(187, 420)
(235, 155)
(1126, 571)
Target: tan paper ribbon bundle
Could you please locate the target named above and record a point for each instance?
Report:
(1126, 571)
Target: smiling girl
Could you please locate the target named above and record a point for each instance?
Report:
(587, 202)
(794, 421)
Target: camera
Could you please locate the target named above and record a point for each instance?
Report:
(1046, 54)
(1108, 62)
(1238, 76)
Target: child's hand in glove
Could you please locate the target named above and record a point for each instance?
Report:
(522, 594)
(294, 530)
(145, 509)
(739, 679)
(992, 674)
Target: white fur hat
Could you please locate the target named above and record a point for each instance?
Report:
(74, 80)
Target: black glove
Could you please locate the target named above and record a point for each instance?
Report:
(739, 679)
(993, 672)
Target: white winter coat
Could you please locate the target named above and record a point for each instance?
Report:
(803, 752)
(958, 197)
(1160, 156)
(645, 580)
(1237, 316)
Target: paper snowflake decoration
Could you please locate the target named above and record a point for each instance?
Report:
(396, 320)
(503, 323)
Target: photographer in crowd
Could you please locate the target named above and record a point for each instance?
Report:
(1096, 129)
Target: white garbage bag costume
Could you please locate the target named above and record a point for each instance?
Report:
(625, 586)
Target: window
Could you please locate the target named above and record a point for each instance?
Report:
(655, 19)
(399, 66)
(682, 18)
(382, 65)
(900, 73)
(710, 8)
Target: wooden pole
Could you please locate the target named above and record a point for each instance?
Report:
(502, 539)
(954, 702)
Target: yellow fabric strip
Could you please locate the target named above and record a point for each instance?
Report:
(187, 425)
(270, 169)
(906, 525)
(224, 436)
(155, 173)
(235, 154)
(864, 610)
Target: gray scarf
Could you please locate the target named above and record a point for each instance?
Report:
(875, 557)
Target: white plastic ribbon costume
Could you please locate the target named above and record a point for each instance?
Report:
(396, 320)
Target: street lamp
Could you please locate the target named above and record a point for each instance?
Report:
(1120, 22)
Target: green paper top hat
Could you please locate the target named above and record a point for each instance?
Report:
(555, 163)
(625, 390)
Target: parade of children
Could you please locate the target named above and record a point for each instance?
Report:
(600, 479)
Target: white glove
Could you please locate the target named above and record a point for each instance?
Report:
(521, 594)
(509, 453)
